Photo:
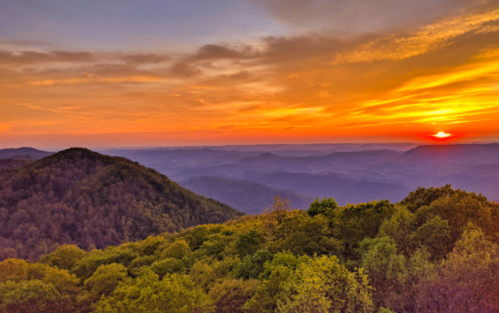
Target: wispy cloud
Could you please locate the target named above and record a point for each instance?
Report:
(439, 71)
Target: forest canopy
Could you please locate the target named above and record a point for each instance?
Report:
(81, 197)
(436, 251)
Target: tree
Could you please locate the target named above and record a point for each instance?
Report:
(326, 206)
(148, 294)
(435, 236)
(323, 285)
(104, 280)
(230, 295)
(386, 268)
(464, 282)
(425, 196)
(64, 257)
(249, 243)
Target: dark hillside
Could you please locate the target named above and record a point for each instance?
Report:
(82, 197)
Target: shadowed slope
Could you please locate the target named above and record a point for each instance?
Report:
(82, 197)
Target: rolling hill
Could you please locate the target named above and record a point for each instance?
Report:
(23, 153)
(246, 196)
(82, 197)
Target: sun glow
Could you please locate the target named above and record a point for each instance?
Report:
(442, 135)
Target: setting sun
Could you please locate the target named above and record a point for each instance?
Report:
(442, 135)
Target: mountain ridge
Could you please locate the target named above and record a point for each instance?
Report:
(81, 197)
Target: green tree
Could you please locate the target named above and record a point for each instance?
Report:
(64, 257)
(323, 285)
(399, 227)
(230, 295)
(435, 236)
(249, 243)
(174, 293)
(326, 206)
(104, 280)
(386, 268)
(425, 196)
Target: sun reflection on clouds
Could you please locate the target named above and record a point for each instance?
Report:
(400, 82)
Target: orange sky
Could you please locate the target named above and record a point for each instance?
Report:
(402, 83)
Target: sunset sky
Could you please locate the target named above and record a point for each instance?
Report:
(102, 73)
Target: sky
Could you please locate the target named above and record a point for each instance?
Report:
(109, 73)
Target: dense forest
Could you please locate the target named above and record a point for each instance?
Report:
(84, 198)
(436, 251)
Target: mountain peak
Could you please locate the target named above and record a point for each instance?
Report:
(95, 199)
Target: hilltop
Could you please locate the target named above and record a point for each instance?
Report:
(23, 153)
(81, 197)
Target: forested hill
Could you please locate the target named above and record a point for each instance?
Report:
(82, 197)
(436, 251)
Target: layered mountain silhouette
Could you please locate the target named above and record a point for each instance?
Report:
(246, 196)
(82, 197)
(23, 153)
(351, 173)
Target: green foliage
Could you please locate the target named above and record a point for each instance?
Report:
(177, 250)
(104, 280)
(32, 296)
(253, 265)
(26, 287)
(64, 257)
(326, 206)
(440, 256)
(322, 284)
(149, 294)
(459, 209)
(249, 243)
(425, 196)
(399, 227)
(167, 266)
(387, 270)
(353, 223)
(302, 234)
(230, 295)
(435, 236)
(277, 280)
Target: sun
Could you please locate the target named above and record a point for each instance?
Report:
(442, 135)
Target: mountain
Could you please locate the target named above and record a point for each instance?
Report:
(455, 154)
(344, 189)
(82, 197)
(12, 163)
(23, 153)
(349, 172)
(246, 196)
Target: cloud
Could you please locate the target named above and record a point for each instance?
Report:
(33, 57)
(183, 70)
(21, 45)
(145, 58)
(445, 71)
(360, 16)
(216, 52)
(423, 39)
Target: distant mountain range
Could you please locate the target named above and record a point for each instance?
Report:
(82, 197)
(348, 172)
(247, 196)
(23, 153)
(246, 177)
